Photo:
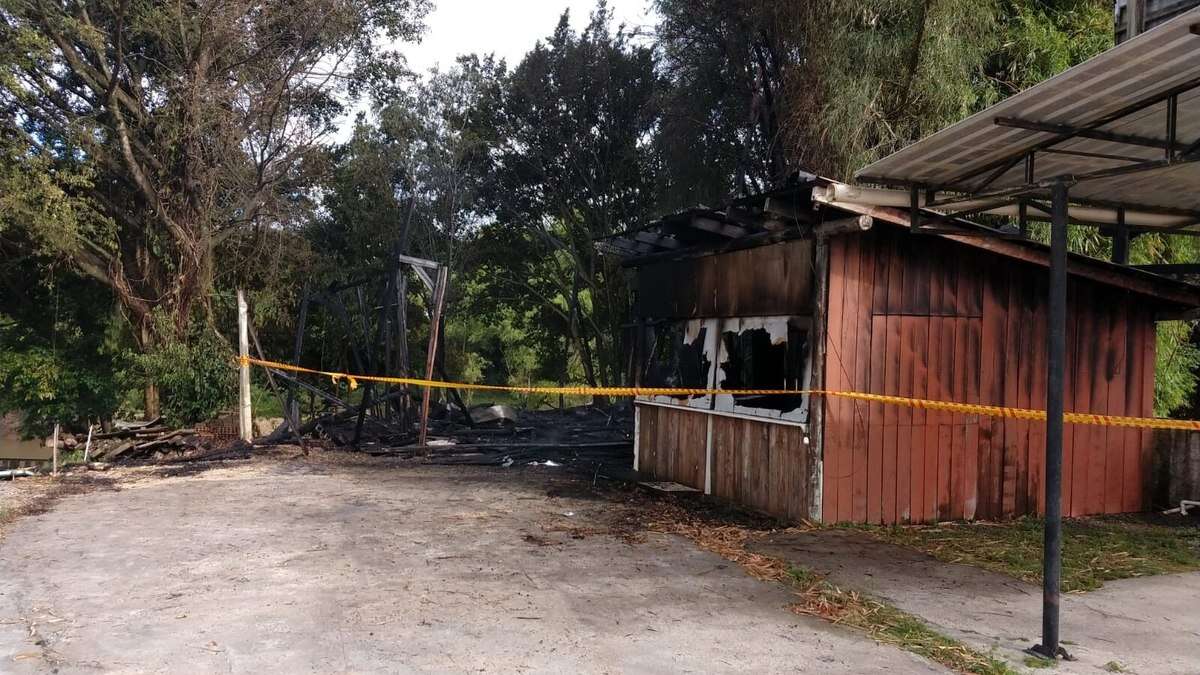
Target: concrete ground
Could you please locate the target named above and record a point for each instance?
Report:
(1148, 626)
(318, 565)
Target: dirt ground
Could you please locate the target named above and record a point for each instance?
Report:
(322, 565)
(1148, 626)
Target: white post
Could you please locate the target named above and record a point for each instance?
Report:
(54, 443)
(245, 422)
(87, 447)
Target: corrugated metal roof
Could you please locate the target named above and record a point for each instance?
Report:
(1135, 78)
(1156, 12)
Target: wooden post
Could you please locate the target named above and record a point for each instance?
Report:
(87, 447)
(245, 422)
(54, 445)
(815, 480)
(435, 320)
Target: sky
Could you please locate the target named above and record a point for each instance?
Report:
(509, 28)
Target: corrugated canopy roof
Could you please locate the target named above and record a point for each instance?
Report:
(1123, 128)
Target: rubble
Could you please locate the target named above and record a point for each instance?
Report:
(153, 441)
(598, 439)
(493, 414)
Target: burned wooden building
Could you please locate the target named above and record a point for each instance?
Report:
(810, 288)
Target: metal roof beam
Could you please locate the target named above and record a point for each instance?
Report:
(1067, 132)
(957, 181)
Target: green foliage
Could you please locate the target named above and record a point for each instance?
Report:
(1041, 38)
(194, 373)
(1176, 362)
(59, 340)
(572, 163)
(51, 386)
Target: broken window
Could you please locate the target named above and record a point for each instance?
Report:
(765, 353)
(734, 353)
(679, 355)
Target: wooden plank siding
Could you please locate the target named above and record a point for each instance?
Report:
(763, 465)
(775, 279)
(928, 317)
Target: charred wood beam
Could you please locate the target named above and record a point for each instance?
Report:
(851, 225)
(317, 391)
(717, 227)
(658, 240)
(348, 413)
(749, 241)
(416, 262)
(1170, 269)
(782, 207)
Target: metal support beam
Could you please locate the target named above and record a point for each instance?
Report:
(1120, 240)
(961, 180)
(1172, 123)
(1080, 132)
(1056, 353)
(914, 208)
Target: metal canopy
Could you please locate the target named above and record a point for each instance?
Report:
(1115, 142)
(1123, 129)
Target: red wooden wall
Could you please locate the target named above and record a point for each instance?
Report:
(926, 317)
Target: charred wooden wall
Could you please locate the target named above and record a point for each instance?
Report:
(930, 318)
(1176, 466)
(774, 279)
(763, 465)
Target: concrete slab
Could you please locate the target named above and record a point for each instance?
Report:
(1148, 625)
(304, 566)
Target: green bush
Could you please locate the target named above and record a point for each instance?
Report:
(195, 375)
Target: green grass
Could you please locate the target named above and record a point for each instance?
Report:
(1095, 550)
(1114, 667)
(1039, 662)
(887, 624)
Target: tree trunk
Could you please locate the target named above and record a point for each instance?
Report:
(153, 409)
(150, 400)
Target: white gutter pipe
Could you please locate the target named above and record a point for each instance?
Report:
(852, 194)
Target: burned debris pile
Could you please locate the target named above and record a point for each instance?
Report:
(153, 441)
(585, 434)
(498, 435)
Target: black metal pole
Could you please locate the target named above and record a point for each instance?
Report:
(1120, 243)
(1056, 351)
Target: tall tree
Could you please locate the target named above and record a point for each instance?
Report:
(766, 88)
(574, 161)
(173, 125)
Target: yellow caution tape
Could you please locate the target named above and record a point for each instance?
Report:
(919, 403)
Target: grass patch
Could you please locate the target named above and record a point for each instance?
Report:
(887, 624)
(1094, 550)
(1114, 667)
(818, 597)
(1037, 662)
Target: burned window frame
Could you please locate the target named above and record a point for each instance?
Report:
(692, 330)
(788, 327)
(715, 353)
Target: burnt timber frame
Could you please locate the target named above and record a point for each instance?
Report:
(390, 337)
(974, 185)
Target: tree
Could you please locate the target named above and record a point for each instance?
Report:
(170, 127)
(574, 161)
(767, 88)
